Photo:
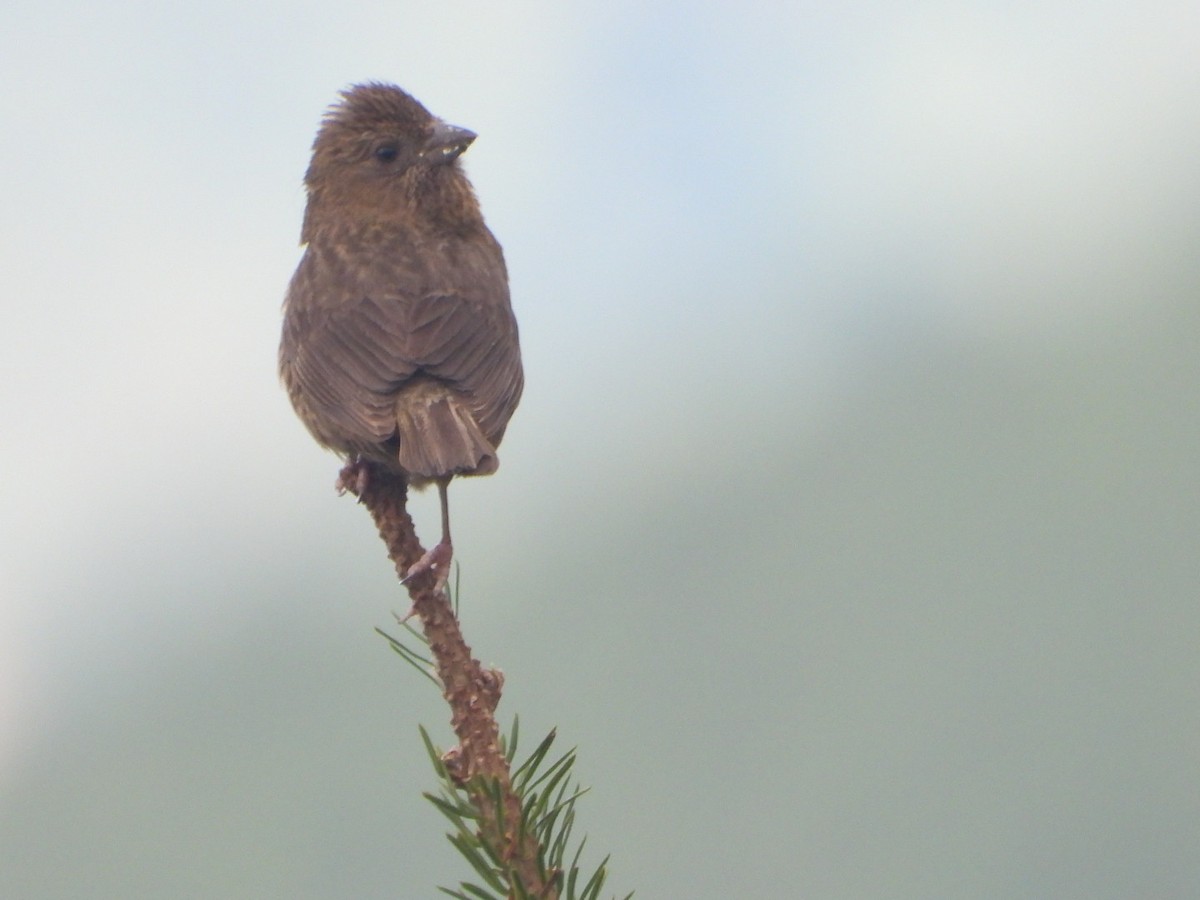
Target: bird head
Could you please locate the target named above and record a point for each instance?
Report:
(380, 154)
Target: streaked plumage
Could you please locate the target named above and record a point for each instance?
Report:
(399, 342)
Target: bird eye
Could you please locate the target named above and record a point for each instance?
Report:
(386, 153)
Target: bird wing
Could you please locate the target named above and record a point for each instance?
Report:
(470, 344)
(347, 354)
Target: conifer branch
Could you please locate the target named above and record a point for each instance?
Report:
(478, 764)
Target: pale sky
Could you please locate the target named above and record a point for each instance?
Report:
(847, 522)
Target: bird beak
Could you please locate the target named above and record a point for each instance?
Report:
(446, 143)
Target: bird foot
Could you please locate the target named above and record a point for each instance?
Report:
(437, 559)
(354, 477)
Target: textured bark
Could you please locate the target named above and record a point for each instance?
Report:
(478, 762)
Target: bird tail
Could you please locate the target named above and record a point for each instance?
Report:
(439, 435)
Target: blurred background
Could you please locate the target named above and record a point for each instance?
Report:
(848, 525)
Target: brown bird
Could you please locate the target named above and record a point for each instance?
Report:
(399, 342)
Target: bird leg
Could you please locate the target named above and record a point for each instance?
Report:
(438, 557)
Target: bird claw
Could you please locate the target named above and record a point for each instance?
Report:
(437, 559)
(354, 477)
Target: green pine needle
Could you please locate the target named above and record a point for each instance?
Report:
(421, 663)
(548, 797)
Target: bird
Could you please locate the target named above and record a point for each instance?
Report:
(399, 344)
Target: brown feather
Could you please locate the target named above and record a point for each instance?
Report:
(438, 436)
(399, 341)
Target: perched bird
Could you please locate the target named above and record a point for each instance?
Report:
(399, 342)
